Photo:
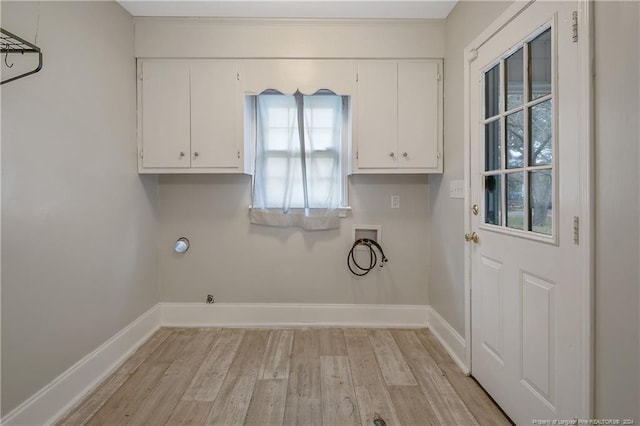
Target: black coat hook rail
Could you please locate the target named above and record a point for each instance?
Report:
(11, 43)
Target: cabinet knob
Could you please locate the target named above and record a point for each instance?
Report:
(392, 154)
(196, 154)
(181, 154)
(405, 155)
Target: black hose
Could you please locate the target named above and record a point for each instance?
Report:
(373, 257)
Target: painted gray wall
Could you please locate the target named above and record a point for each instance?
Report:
(79, 226)
(239, 262)
(446, 274)
(617, 381)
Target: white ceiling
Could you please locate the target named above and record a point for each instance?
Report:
(363, 9)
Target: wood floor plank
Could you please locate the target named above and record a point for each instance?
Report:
(475, 398)
(332, 342)
(159, 403)
(433, 346)
(230, 408)
(444, 400)
(172, 346)
(267, 403)
(394, 368)
(363, 362)
(190, 413)
(374, 401)
(126, 400)
(303, 404)
(275, 364)
(231, 405)
(412, 407)
(339, 402)
(209, 377)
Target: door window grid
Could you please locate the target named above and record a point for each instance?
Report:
(496, 211)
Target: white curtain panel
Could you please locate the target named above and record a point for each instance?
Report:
(297, 180)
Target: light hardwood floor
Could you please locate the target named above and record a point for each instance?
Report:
(325, 376)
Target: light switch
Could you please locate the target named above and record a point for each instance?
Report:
(395, 201)
(456, 189)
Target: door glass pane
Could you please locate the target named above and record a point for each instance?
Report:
(492, 92)
(515, 200)
(492, 145)
(541, 131)
(515, 86)
(540, 201)
(540, 65)
(492, 191)
(515, 140)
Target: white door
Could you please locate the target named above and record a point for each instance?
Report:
(418, 114)
(165, 114)
(377, 115)
(526, 270)
(214, 93)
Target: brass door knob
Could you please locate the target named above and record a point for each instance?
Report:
(471, 237)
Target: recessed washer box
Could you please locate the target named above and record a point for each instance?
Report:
(372, 232)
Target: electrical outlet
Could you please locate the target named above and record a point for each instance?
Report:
(395, 201)
(456, 189)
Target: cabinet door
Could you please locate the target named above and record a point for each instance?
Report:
(377, 115)
(214, 97)
(165, 114)
(418, 114)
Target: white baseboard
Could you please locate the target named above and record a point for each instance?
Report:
(64, 392)
(450, 339)
(292, 315)
(59, 396)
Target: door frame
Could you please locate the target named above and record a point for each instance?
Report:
(587, 223)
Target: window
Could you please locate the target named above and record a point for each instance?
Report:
(519, 172)
(300, 162)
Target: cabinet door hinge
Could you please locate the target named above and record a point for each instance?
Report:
(437, 154)
(574, 17)
(438, 76)
(357, 77)
(238, 153)
(576, 230)
(141, 154)
(238, 76)
(140, 76)
(356, 155)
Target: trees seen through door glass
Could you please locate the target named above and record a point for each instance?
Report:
(519, 174)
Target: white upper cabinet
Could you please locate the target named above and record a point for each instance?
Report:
(194, 117)
(188, 112)
(399, 117)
